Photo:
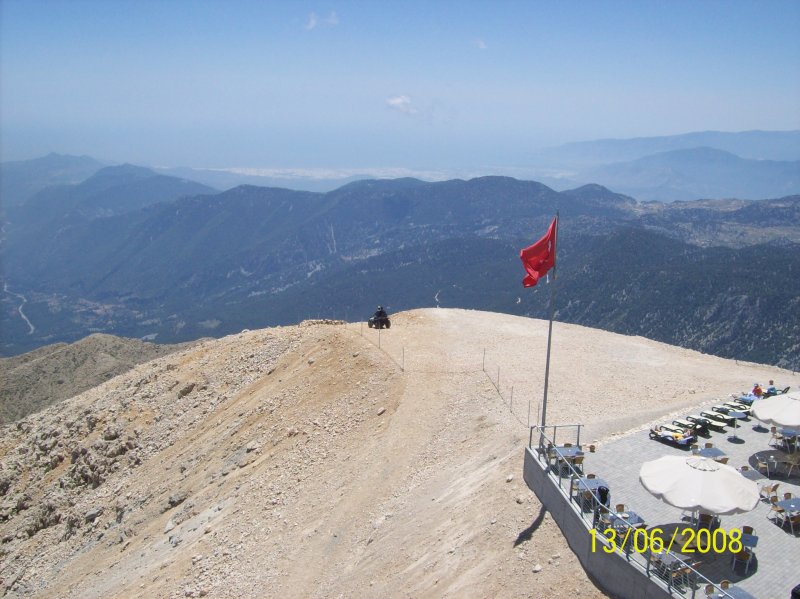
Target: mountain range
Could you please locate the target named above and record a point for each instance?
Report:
(746, 165)
(751, 145)
(22, 179)
(130, 252)
(697, 173)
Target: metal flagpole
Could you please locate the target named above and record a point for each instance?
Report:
(550, 329)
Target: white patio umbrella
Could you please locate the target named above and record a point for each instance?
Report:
(696, 483)
(780, 410)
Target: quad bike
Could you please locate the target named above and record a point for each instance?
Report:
(379, 322)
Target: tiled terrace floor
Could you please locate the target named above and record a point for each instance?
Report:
(777, 565)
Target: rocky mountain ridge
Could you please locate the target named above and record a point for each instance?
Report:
(304, 461)
(52, 373)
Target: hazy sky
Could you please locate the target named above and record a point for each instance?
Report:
(432, 84)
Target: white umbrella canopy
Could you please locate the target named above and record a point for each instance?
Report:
(780, 410)
(697, 483)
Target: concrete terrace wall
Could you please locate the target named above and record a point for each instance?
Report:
(611, 572)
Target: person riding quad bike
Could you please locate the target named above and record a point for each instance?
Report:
(379, 320)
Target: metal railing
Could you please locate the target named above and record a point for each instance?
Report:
(690, 581)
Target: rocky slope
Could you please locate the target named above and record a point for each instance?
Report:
(37, 379)
(307, 461)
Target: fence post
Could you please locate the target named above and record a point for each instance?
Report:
(483, 366)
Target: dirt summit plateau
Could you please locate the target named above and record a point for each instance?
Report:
(307, 461)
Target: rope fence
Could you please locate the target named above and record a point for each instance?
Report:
(398, 357)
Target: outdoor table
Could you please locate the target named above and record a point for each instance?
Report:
(749, 540)
(752, 475)
(672, 560)
(791, 462)
(564, 455)
(710, 452)
(618, 520)
(789, 437)
(735, 592)
(738, 415)
(568, 452)
(589, 484)
(785, 459)
(790, 505)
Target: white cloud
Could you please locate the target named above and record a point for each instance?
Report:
(332, 20)
(481, 44)
(312, 21)
(401, 104)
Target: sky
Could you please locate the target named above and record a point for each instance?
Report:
(384, 84)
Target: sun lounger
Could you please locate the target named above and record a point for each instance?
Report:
(697, 428)
(701, 420)
(668, 433)
(738, 407)
(716, 419)
(722, 412)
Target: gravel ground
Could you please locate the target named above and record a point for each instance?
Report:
(305, 462)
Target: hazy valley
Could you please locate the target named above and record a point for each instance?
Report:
(136, 253)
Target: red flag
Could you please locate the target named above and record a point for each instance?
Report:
(539, 257)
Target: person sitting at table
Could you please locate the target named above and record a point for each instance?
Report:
(757, 390)
(604, 496)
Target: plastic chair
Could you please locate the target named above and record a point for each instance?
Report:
(777, 511)
(706, 521)
(680, 576)
(776, 439)
(769, 490)
(587, 499)
(793, 521)
(745, 556)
